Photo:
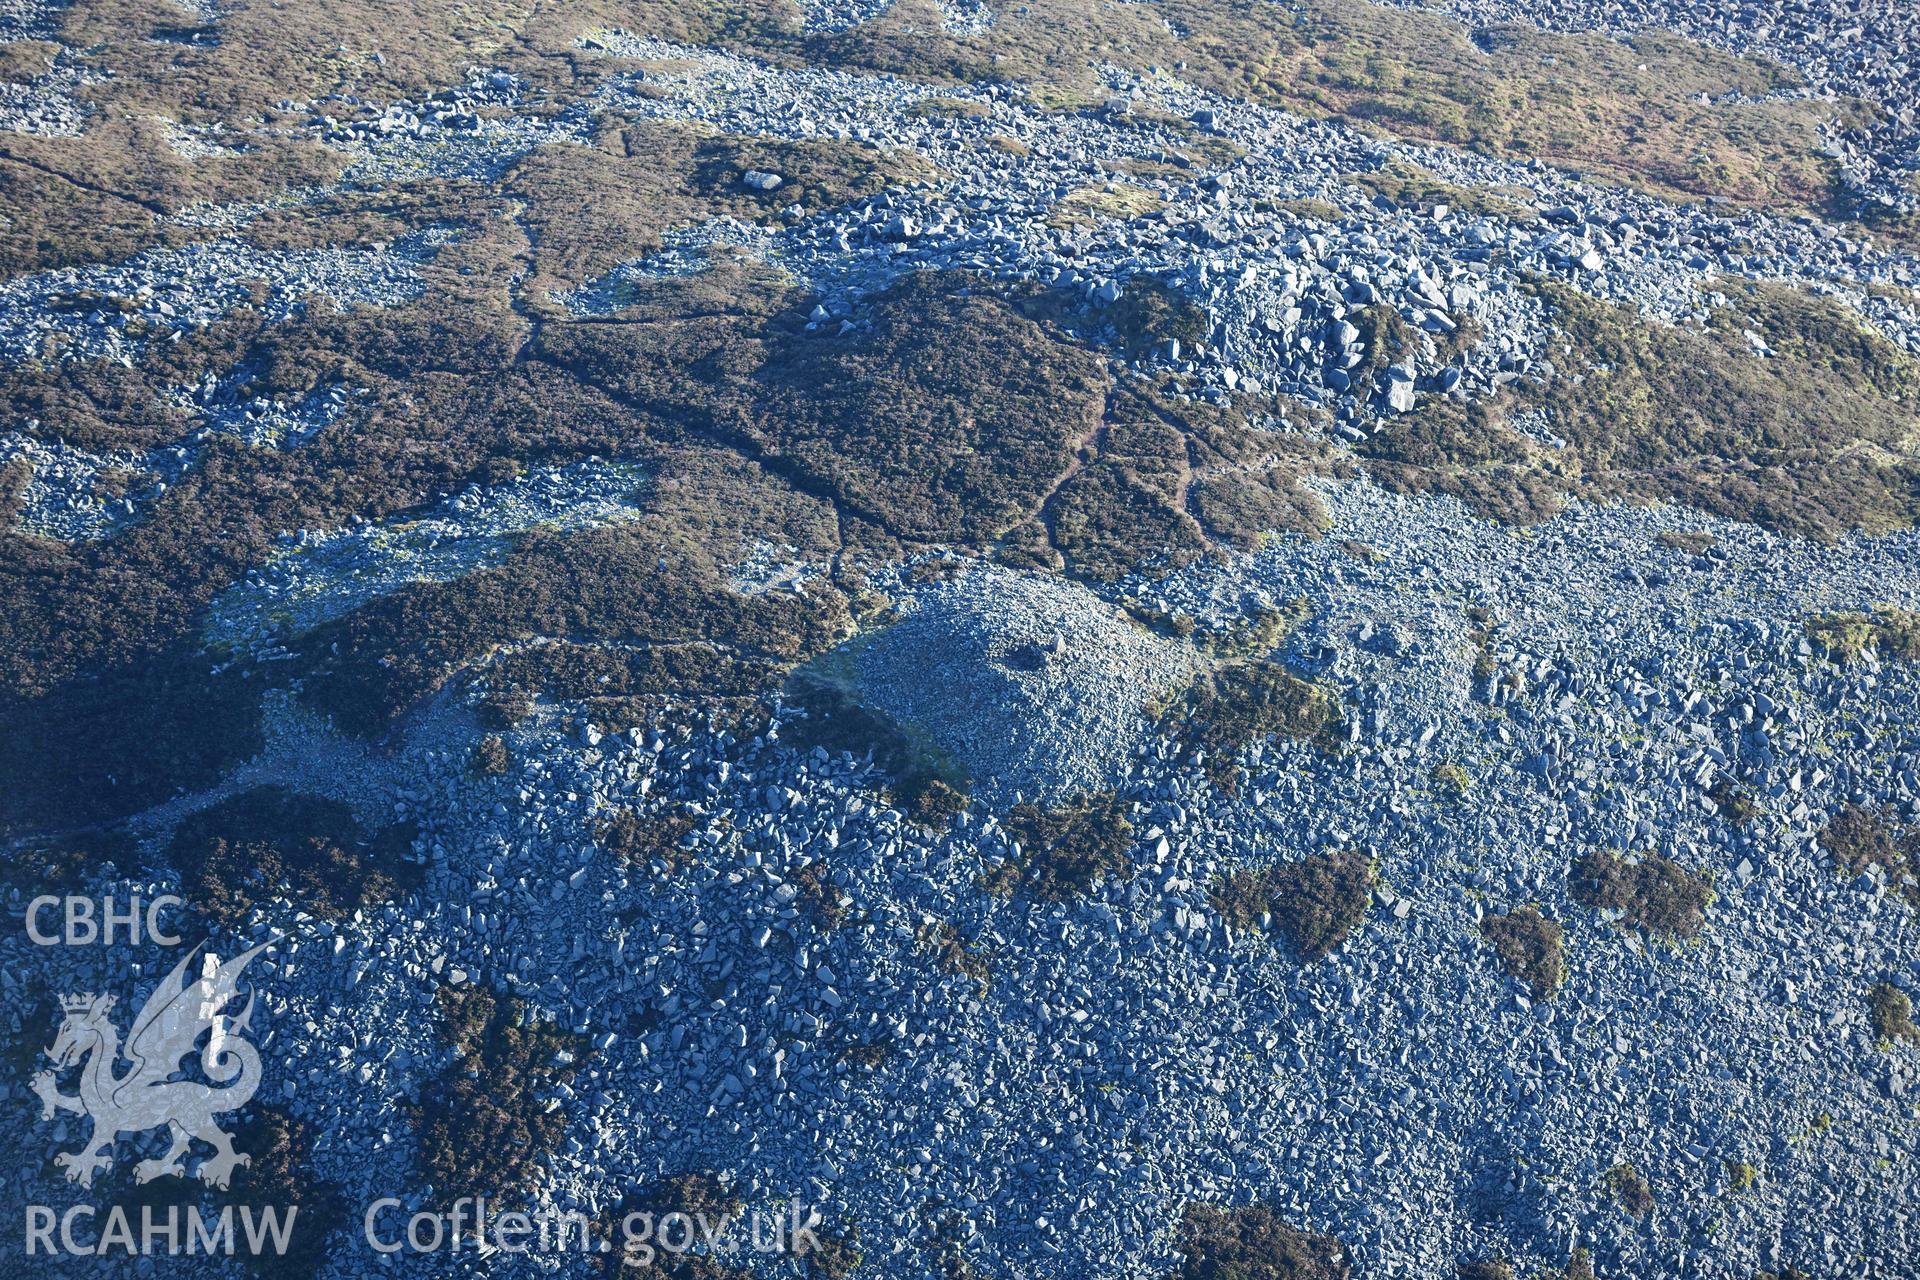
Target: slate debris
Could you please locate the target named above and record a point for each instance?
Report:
(616, 960)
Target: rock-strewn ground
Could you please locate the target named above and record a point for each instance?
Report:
(1123, 640)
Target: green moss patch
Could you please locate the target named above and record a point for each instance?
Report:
(1887, 632)
(1451, 780)
(1313, 209)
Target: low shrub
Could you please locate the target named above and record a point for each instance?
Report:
(1314, 903)
(1652, 893)
(1635, 1196)
(1484, 1269)
(484, 1128)
(490, 757)
(641, 838)
(1891, 1014)
(1579, 1267)
(1735, 803)
(694, 1196)
(1861, 836)
(1066, 852)
(1232, 706)
(1690, 542)
(819, 895)
(271, 842)
(955, 953)
(1255, 1243)
(278, 1176)
(1529, 947)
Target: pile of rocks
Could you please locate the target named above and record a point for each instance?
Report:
(1036, 687)
(1144, 1053)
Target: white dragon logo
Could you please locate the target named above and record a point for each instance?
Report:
(173, 1019)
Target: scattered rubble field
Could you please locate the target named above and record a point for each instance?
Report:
(1196, 640)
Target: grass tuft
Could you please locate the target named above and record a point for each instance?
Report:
(1859, 837)
(1887, 632)
(1635, 1196)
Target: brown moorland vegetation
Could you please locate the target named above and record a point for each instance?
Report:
(1255, 1243)
(1651, 892)
(1814, 440)
(482, 1129)
(1068, 851)
(1529, 947)
(270, 842)
(1860, 836)
(1314, 903)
